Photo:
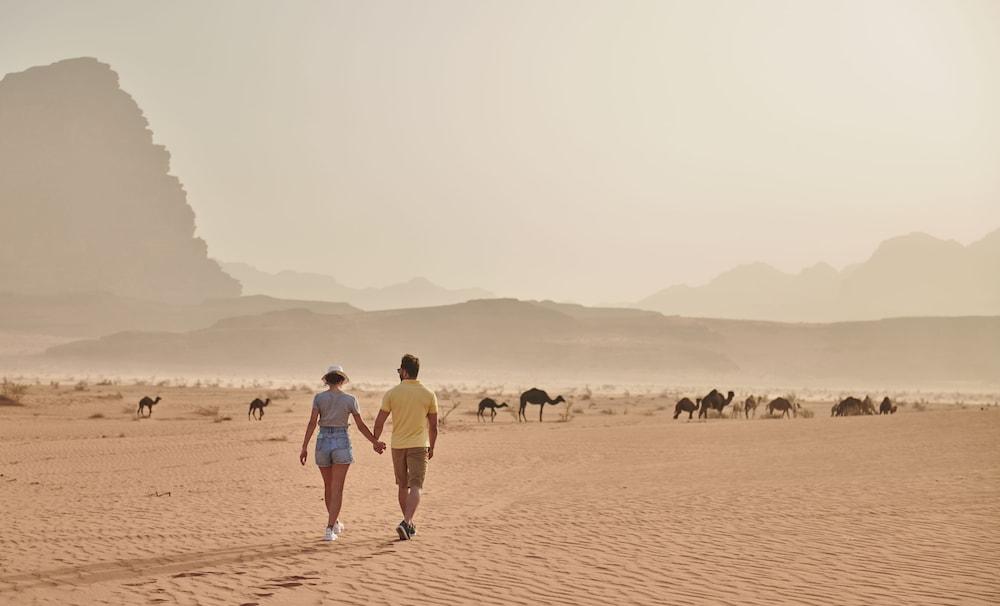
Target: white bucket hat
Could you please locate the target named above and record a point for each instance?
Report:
(337, 368)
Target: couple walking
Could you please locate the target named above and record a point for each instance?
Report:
(414, 411)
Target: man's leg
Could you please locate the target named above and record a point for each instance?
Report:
(410, 505)
(403, 493)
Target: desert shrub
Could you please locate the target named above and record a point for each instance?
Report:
(54, 384)
(81, 386)
(608, 411)
(104, 383)
(112, 396)
(12, 391)
(806, 413)
(96, 415)
(221, 419)
(163, 383)
(207, 411)
(919, 406)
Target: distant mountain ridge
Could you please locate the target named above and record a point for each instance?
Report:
(94, 314)
(908, 276)
(418, 292)
(545, 341)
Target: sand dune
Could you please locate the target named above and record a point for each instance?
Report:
(621, 504)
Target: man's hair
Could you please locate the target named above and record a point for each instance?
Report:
(411, 364)
(333, 378)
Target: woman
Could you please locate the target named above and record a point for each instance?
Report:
(331, 410)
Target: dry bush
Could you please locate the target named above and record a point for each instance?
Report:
(96, 415)
(163, 383)
(806, 413)
(207, 411)
(104, 383)
(111, 396)
(608, 411)
(54, 384)
(920, 406)
(80, 386)
(221, 419)
(12, 392)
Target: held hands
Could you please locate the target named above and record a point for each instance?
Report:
(378, 447)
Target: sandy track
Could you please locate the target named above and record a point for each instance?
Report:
(604, 509)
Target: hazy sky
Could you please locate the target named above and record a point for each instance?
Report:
(590, 151)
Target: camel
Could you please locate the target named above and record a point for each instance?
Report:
(852, 406)
(685, 405)
(259, 407)
(886, 407)
(784, 406)
(714, 401)
(750, 404)
(147, 402)
(492, 405)
(737, 410)
(536, 396)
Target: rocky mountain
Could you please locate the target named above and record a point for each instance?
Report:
(499, 339)
(908, 276)
(418, 292)
(87, 199)
(94, 314)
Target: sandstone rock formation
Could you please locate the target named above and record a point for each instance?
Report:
(87, 200)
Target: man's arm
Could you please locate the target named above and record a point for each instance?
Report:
(432, 431)
(379, 423)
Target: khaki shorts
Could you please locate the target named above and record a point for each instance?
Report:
(410, 465)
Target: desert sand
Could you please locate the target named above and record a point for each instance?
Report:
(620, 504)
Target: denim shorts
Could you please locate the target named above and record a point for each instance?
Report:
(333, 447)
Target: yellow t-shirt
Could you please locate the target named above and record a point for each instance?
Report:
(409, 403)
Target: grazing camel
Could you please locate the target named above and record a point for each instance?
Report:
(492, 405)
(784, 406)
(685, 405)
(852, 406)
(147, 402)
(750, 404)
(259, 407)
(715, 401)
(536, 396)
(886, 407)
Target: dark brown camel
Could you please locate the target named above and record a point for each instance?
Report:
(492, 405)
(783, 405)
(886, 407)
(147, 403)
(851, 406)
(750, 404)
(259, 407)
(685, 405)
(715, 401)
(536, 396)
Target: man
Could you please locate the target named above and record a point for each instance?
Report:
(414, 410)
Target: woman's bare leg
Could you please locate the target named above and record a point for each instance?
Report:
(335, 491)
(327, 473)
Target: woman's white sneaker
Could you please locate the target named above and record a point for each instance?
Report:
(330, 534)
(338, 528)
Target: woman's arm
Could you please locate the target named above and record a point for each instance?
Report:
(363, 428)
(309, 432)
